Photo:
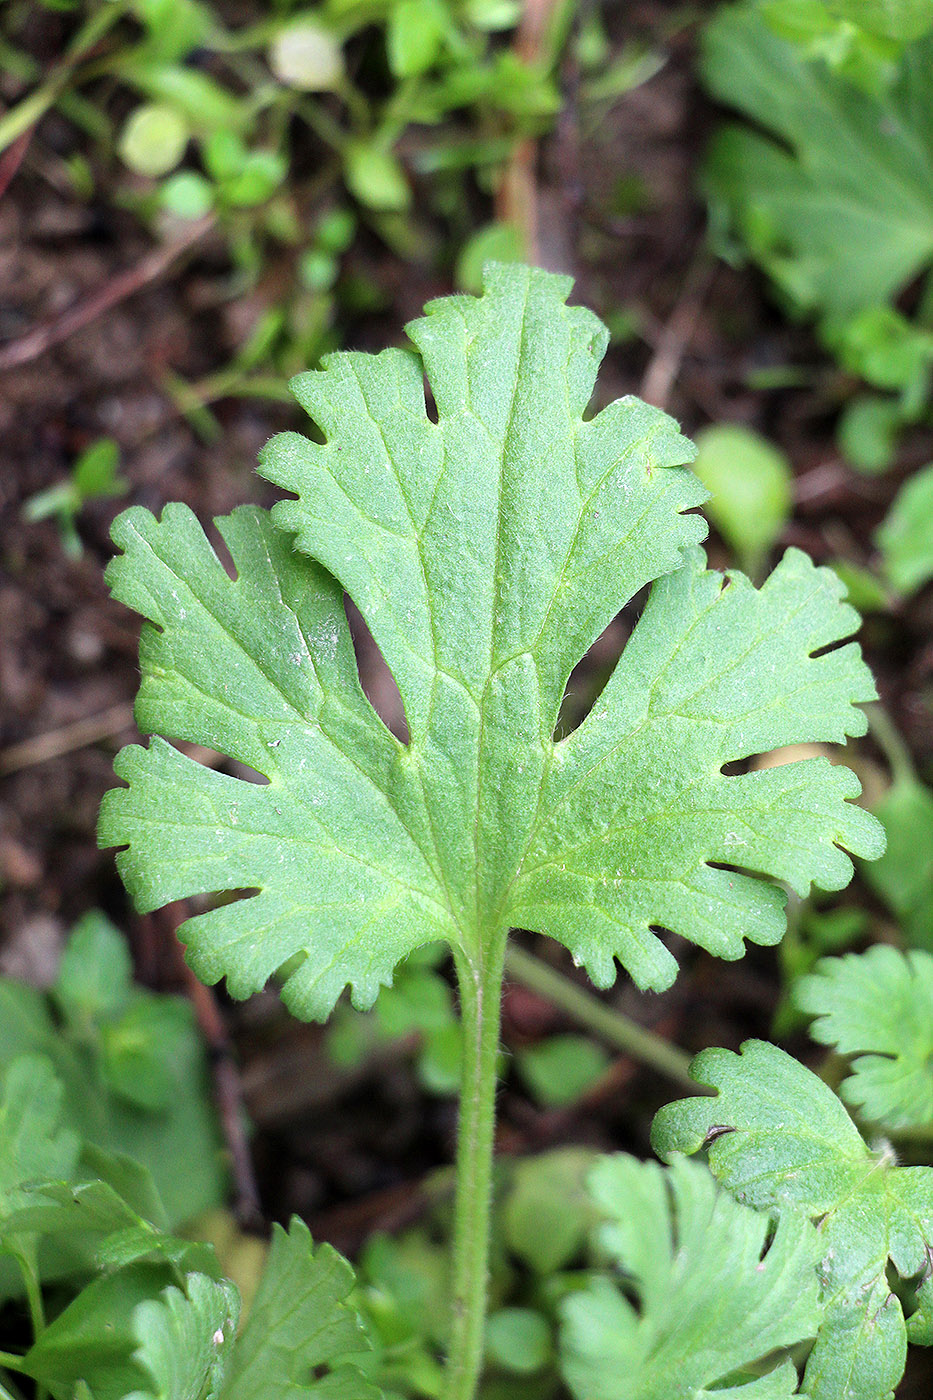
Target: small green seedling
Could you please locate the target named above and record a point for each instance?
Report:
(793, 1254)
(750, 484)
(129, 1062)
(905, 536)
(94, 477)
(780, 1141)
(486, 550)
(828, 185)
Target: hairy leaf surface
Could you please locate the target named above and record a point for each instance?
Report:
(778, 1138)
(715, 1294)
(878, 1006)
(486, 551)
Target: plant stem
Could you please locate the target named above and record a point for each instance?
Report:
(602, 1020)
(26, 113)
(480, 982)
(886, 735)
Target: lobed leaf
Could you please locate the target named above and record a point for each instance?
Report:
(302, 1333)
(118, 1045)
(878, 1005)
(185, 1339)
(715, 1293)
(779, 1139)
(837, 206)
(33, 1143)
(486, 551)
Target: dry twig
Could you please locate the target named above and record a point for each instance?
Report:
(66, 739)
(675, 337)
(124, 284)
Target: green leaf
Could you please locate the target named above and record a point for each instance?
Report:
(187, 1125)
(33, 1145)
(779, 1139)
(863, 589)
(94, 976)
(889, 19)
(301, 1333)
(174, 27)
(878, 1005)
(187, 195)
(203, 102)
(95, 472)
(497, 242)
(486, 552)
(867, 432)
(418, 1000)
(548, 1211)
(518, 1340)
(375, 177)
(185, 1340)
(138, 1050)
(93, 1339)
(408, 1285)
(257, 181)
(838, 208)
(880, 344)
(749, 482)
(903, 877)
(414, 35)
(154, 138)
(306, 56)
(716, 1294)
(97, 1228)
(905, 537)
(562, 1068)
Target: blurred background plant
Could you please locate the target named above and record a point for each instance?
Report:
(831, 190)
(299, 131)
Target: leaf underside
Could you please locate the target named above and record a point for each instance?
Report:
(716, 1294)
(779, 1139)
(486, 552)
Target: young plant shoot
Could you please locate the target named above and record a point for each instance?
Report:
(486, 550)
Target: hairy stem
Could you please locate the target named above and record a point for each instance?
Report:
(612, 1026)
(480, 983)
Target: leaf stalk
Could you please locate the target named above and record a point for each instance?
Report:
(604, 1021)
(479, 977)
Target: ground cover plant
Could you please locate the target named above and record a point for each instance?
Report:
(830, 190)
(168, 394)
(487, 550)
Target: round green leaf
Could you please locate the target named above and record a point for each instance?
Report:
(154, 138)
(376, 178)
(906, 535)
(494, 243)
(867, 432)
(518, 1339)
(262, 173)
(414, 36)
(749, 482)
(187, 195)
(562, 1068)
